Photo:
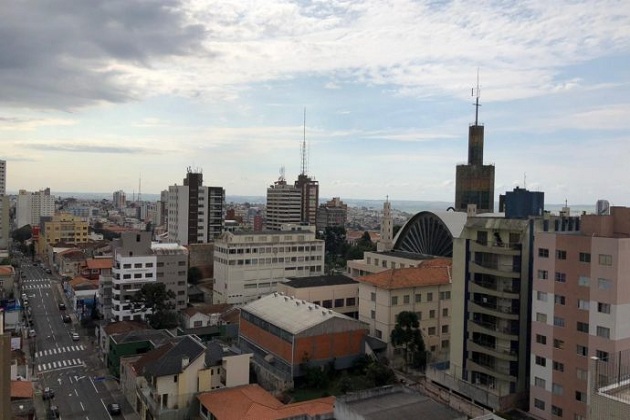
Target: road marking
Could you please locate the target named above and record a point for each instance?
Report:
(82, 408)
(93, 385)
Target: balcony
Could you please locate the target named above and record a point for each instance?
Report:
(503, 312)
(493, 371)
(497, 288)
(501, 270)
(500, 353)
(495, 247)
(494, 329)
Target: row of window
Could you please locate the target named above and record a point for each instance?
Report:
(602, 284)
(268, 250)
(406, 299)
(585, 257)
(579, 349)
(557, 411)
(419, 314)
(384, 263)
(338, 303)
(603, 308)
(269, 260)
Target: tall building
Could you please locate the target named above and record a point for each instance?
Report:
(119, 199)
(474, 182)
(3, 177)
(195, 212)
(309, 191)
(284, 204)
(5, 370)
(386, 242)
(32, 206)
(333, 213)
(64, 228)
(248, 265)
(137, 261)
(580, 310)
(4, 207)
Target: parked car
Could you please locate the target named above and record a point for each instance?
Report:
(113, 409)
(48, 271)
(32, 333)
(53, 413)
(62, 306)
(48, 394)
(75, 337)
(66, 319)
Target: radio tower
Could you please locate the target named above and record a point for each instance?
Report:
(304, 154)
(139, 188)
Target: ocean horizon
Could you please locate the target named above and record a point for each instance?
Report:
(407, 206)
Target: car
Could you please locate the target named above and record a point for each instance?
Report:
(32, 333)
(62, 306)
(113, 409)
(48, 271)
(75, 337)
(48, 394)
(53, 413)
(66, 319)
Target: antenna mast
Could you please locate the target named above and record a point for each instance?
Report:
(139, 187)
(304, 168)
(476, 104)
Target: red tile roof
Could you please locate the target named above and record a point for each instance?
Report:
(124, 327)
(98, 263)
(432, 272)
(6, 270)
(251, 402)
(21, 389)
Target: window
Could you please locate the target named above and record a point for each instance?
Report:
(432, 313)
(585, 257)
(603, 308)
(373, 314)
(373, 297)
(339, 303)
(558, 321)
(445, 344)
(603, 284)
(539, 404)
(559, 366)
(584, 304)
(582, 327)
(444, 329)
(445, 295)
(543, 252)
(174, 378)
(580, 396)
(539, 382)
(582, 350)
(561, 277)
(378, 333)
(419, 315)
(444, 312)
(541, 361)
(406, 299)
(394, 300)
(603, 332)
(556, 411)
(543, 274)
(418, 298)
(126, 265)
(559, 300)
(558, 344)
(327, 303)
(431, 330)
(583, 281)
(541, 296)
(582, 374)
(429, 297)
(605, 259)
(540, 317)
(602, 355)
(351, 301)
(561, 254)
(557, 389)
(541, 339)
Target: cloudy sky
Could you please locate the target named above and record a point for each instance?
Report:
(95, 94)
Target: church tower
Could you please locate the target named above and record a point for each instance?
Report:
(387, 229)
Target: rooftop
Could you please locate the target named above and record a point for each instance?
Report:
(98, 263)
(405, 255)
(319, 281)
(171, 362)
(433, 272)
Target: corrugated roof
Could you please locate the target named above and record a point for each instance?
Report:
(431, 272)
(251, 402)
(290, 314)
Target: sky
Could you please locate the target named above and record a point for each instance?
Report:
(106, 95)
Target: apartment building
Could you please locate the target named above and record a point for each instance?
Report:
(30, 207)
(284, 205)
(580, 310)
(195, 212)
(336, 292)
(425, 290)
(248, 265)
(136, 262)
(4, 207)
(333, 213)
(61, 228)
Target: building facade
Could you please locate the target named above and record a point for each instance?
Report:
(337, 292)
(284, 205)
(195, 212)
(309, 191)
(61, 228)
(31, 207)
(248, 265)
(333, 213)
(4, 207)
(580, 310)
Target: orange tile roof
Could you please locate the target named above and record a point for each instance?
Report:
(21, 389)
(432, 272)
(6, 270)
(251, 402)
(98, 263)
(124, 327)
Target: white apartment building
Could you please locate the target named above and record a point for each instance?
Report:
(248, 265)
(4, 207)
(32, 206)
(137, 262)
(284, 205)
(195, 212)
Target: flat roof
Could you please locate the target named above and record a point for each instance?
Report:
(319, 281)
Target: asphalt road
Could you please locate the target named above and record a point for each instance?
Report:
(70, 368)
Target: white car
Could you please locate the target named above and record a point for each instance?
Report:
(75, 336)
(32, 333)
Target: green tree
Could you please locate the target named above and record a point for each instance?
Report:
(335, 240)
(155, 300)
(379, 374)
(22, 234)
(194, 275)
(406, 334)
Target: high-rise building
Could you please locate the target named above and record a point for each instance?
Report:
(4, 207)
(195, 212)
(333, 213)
(136, 262)
(3, 177)
(284, 204)
(119, 199)
(386, 242)
(474, 182)
(580, 310)
(32, 206)
(309, 190)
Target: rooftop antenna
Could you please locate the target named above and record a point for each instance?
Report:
(304, 163)
(524, 180)
(281, 174)
(476, 94)
(139, 187)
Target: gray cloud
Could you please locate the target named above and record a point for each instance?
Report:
(89, 148)
(58, 54)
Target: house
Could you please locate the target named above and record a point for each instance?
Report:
(95, 266)
(70, 262)
(133, 343)
(225, 367)
(251, 402)
(106, 329)
(22, 400)
(7, 278)
(337, 292)
(203, 315)
(283, 333)
(82, 294)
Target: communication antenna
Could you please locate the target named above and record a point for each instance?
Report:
(139, 187)
(476, 95)
(304, 157)
(525, 180)
(281, 174)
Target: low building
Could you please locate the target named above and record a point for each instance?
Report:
(7, 280)
(132, 344)
(203, 316)
(225, 367)
(70, 262)
(425, 290)
(253, 402)
(283, 333)
(106, 329)
(376, 262)
(337, 292)
(95, 266)
(82, 294)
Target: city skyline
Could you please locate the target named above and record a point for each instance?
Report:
(98, 96)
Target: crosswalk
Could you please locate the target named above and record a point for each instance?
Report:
(59, 350)
(43, 367)
(36, 286)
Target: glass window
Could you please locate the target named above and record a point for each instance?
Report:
(406, 299)
(541, 296)
(394, 300)
(541, 339)
(583, 281)
(351, 301)
(444, 312)
(373, 297)
(558, 344)
(602, 355)
(432, 313)
(543, 274)
(582, 350)
(539, 404)
(603, 308)
(541, 361)
(561, 254)
(582, 374)
(539, 382)
(561, 277)
(445, 295)
(444, 329)
(603, 332)
(418, 298)
(557, 389)
(605, 259)
(429, 297)
(584, 304)
(558, 321)
(556, 411)
(431, 330)
(559, 299)
(559, 366)
(585, 257)
(603, 284)
(339, 303)
(373, 314)
(543, 252)
(580, 396)
(540, 317)
(582, 327)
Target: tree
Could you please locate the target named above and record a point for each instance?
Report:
(406, 334)
(154, 299)
(194, 275)
(335, 240)
(22, 234)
